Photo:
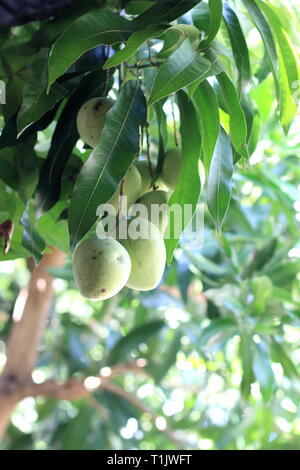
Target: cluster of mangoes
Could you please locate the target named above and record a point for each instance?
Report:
(103, 266)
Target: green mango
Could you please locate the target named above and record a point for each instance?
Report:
(91, 118)
(101, 267)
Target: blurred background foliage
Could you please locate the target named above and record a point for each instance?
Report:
(218, 339)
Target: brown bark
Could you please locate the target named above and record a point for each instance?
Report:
(25, 335)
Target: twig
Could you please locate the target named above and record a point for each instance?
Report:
(148, 150)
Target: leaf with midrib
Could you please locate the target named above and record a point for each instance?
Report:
(188, 187)
(237, 119)
(182, 68)
(109, 161)
(88, 31)
(207, 107)
(219, 180)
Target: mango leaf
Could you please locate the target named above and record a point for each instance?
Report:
(54, 232)
(49, 30)
(132, 340)
(19, 168)
(90, 30)
(9, 136)
(207, 107)
(136, 7)
(64, 139)
(216, 331)
(188, 187)
(133, 44)
(162, 11)
(246, 355)
(263, 371)
(216, 67)
(109, 161)
(36, 102)
(182, 68)
(169, 358)
(219, 180)
(201, 17)
(175, 36)
(239, 46)
(280, 355)
(215, 10)
(32, 241)
(237, 119)
(267, 37)
(288, 67)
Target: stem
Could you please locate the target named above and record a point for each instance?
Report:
(148, 150)
(174, 122)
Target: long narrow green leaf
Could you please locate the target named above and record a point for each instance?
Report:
(246, 354)
(131, 341)
(164, 10)
(90, 30)
(219, 180)
(239, 46)
(215, 9)
(133, 44)
(109, 161)
(207, 107)
(237, 119)
(288, 67)
(263, 371)
(182, 68)
(188, 188)
(267, 37)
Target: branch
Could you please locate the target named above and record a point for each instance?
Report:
(29, 318)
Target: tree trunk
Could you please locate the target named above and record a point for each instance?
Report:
(25, 335)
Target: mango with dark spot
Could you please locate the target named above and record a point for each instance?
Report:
(101, 268)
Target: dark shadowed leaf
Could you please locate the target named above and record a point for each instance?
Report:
(36, 102)
(132, 340)
(162, 11)
(64, 139)
(239, 46)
